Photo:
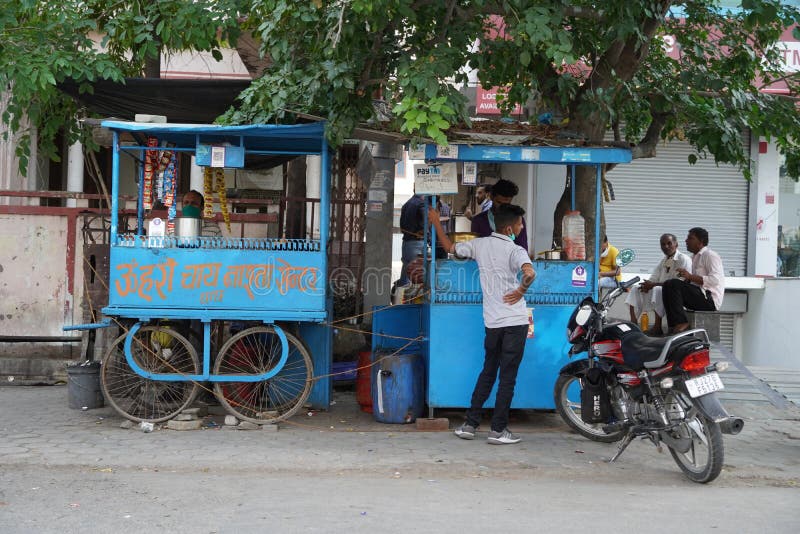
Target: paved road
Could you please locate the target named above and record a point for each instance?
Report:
(70, 499)
(65, 470)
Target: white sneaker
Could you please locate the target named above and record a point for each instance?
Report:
(465, 431)
(502, 438)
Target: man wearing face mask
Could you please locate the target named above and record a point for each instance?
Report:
(192, 206)
(505, 316)
(647, 295)
(610, 273)
(483, 195)
(483, 224)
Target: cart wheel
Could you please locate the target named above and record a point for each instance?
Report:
(158, 349)
(256, 351)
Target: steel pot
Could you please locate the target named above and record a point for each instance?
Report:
(188, 226)
(551, 254)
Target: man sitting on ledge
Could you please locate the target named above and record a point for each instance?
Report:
(701, 290)
(647, 295)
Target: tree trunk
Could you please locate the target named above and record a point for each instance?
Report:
(152, 66)
(586, 185)
(249, 49)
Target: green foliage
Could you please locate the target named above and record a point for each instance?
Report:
(43, 43)
(599, 64)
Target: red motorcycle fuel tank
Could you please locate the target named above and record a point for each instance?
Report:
(608, 344)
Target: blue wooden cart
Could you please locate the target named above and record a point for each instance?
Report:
(270, 295)
(450, 322)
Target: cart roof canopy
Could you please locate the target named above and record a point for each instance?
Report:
(255, 138)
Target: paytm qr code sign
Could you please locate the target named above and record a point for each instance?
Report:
(436, 179)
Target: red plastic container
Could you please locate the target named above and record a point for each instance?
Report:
(364, 381)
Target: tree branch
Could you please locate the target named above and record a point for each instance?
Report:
(646, 148)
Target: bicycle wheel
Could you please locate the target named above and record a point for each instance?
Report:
(158, 349)
(255, 351)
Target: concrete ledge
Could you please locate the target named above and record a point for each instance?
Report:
(731, 282)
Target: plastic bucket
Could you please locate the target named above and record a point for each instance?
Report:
(398, 394)
(83, 386)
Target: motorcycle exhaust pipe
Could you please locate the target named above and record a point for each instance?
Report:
(732, 425)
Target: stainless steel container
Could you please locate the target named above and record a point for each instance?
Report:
(463, 224)
(188, 227)
(551, 254)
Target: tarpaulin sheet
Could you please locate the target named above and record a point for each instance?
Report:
(191, 101)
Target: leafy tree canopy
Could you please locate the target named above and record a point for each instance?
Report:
(43, 43)
(601, 64)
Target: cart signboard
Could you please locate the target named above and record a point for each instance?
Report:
(436, 179)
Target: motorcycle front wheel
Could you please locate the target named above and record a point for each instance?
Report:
(567, 395)
(702, 462)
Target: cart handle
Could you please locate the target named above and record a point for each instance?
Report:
(91, 326)
(206, 375)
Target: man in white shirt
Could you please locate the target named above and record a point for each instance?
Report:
(647, 295)
(505, 316)
(701, 289)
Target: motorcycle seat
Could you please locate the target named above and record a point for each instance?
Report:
(639, 349)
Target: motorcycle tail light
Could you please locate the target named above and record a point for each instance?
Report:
(696, 362)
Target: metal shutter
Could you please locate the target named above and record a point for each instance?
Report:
(667, 195)
(727, 330)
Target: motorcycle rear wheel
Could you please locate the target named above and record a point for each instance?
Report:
(567, 395)
(702, 463)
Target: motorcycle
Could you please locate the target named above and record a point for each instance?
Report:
(631, 385)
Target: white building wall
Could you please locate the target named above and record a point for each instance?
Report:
(767, 333)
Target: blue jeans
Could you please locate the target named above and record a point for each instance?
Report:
(607, 281)
(504, 348)
(411, 248)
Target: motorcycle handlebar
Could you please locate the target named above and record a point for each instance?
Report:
(633, 281)
(621, 287)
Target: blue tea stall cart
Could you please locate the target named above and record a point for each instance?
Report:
(449, 324)
(268, 294)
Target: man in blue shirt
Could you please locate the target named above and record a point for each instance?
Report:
(412, 216)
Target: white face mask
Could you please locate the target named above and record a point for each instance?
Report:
(604, 253)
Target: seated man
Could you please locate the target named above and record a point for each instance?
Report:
(503, 192)
(701, 289)
(610, 273)
(647, 295)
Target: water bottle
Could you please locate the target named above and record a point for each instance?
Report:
(644, 321)
(573, 235)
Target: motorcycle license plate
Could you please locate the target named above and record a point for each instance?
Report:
(703, 385)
